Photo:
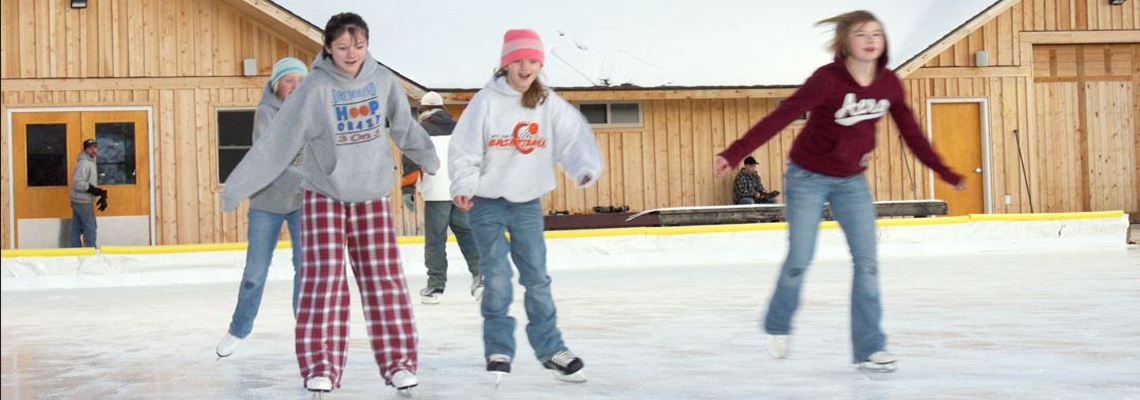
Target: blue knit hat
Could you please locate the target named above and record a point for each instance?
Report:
(284, 67)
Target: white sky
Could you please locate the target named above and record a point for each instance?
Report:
(456, 44)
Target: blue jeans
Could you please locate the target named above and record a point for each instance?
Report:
(83, 224)
(853, 208)
(746, 200)
(489, 220)
(264, 227)
(438, 216)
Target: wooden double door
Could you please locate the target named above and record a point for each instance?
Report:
(45, 150)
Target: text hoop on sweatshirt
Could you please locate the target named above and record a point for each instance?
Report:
(358, 115)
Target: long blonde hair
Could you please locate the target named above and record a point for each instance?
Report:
(844, 23)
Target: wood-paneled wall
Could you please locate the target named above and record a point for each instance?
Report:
(138, 38)
(1000, 37)
(1037, 84)
(183, 59)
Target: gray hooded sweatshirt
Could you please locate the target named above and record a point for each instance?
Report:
(86, 175)
(283, 196)
(340, 122)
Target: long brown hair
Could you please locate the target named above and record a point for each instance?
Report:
(341, 23)
(533, 96)
(844, 23)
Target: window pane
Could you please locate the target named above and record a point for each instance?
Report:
(626, 113)
(235, 128)
(47, 155)
(235, 137)
(228, 159)
(595, 113)
(116, 160)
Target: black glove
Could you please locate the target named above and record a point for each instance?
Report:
(95, 190)
(102, 203)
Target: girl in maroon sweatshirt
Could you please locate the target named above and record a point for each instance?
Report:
(845, 98)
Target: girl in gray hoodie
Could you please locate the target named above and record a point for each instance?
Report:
(343, 115)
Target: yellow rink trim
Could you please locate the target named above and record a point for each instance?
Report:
(1046, 216)
(83, 251)
(655, 231)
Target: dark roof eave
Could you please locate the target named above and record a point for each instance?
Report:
(632, 88)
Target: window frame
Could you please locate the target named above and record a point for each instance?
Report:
(610, 113)
(218, 140)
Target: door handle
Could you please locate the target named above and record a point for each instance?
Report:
(978, 170)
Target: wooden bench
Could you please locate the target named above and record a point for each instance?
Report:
(742, 214)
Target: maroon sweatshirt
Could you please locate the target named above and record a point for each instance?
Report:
(840, 132)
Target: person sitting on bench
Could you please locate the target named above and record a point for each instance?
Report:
(748, 188)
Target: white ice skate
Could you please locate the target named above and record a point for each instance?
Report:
(566, 367)
(431, 295)
(227, 345)
(404, 381)
(778, 346)
(880, 361)
(319, 384)
(499, 365)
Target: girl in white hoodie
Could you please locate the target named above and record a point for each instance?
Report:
(501, 159)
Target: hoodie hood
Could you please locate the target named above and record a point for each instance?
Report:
(500, 86)
(367, 68)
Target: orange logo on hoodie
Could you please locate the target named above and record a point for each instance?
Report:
(524, 138)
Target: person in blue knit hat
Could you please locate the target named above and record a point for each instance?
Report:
(278, 203)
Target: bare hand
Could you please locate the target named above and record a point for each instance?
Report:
(960, 186)
(721, 166)
(464, 203)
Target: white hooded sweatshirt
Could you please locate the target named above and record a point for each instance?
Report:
(501, 149)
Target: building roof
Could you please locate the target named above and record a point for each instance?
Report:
(455, 44)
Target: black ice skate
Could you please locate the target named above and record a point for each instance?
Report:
(499, 365)
(565, 366)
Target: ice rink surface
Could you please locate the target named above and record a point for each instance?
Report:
(1010, 325)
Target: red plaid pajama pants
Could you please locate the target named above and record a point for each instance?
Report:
(322, 315)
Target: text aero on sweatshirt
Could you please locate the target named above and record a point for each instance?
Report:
(840, 132)
(501, 149)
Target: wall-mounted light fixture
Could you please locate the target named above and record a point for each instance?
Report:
(78, 3)
(1115, 2)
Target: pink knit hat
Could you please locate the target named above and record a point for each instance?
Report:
(520, 44)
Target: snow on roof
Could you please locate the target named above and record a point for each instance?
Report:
(455, 44)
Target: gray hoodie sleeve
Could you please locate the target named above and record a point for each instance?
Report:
(80, 180)
(408, 135)
(270, 155)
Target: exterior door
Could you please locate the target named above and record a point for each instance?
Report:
(45, 149)
(956, 129)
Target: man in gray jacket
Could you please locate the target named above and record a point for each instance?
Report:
(83, 192)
